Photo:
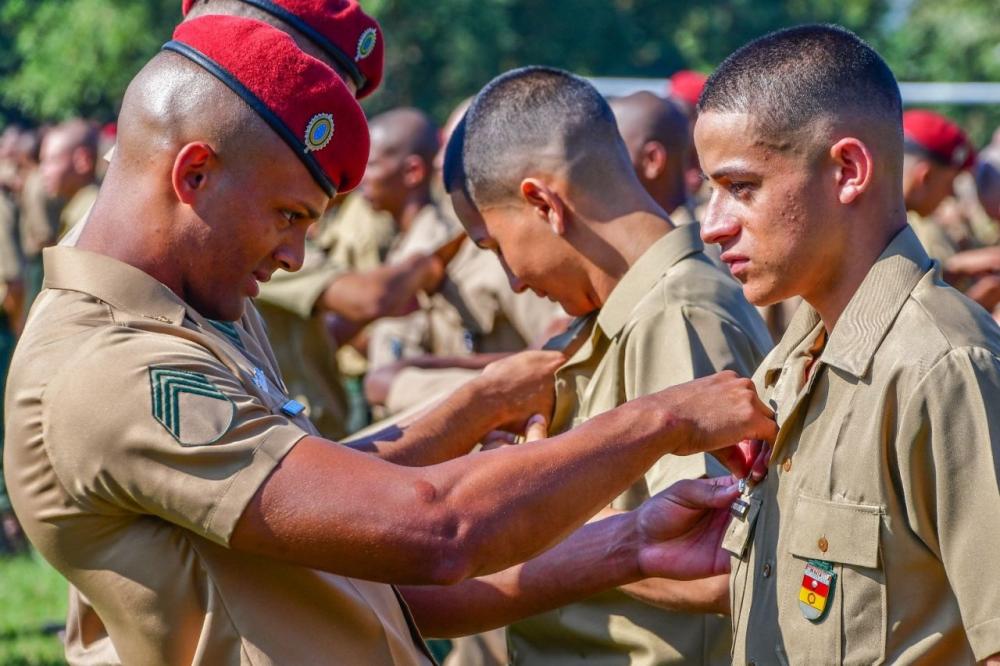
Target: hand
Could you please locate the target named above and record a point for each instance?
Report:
(712, 412)
(681, 529)
(536, 428)
(748, 458)
(519, 386)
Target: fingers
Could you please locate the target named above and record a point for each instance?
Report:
(536, 428)
(496, 439)
(759, 469)
(716, 493)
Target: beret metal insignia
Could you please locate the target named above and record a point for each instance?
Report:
(319, 132)
(189, 406)
(366, 44)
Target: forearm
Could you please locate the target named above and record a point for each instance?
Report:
(596, 557)
(707, 595)
(441, 524)
(381, 292)
(444, 431)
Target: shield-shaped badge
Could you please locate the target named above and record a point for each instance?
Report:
(818, 582)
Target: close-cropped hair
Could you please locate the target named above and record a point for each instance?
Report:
(532, 115)
(790, 78)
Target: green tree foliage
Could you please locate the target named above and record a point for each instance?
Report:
(66, 57)
(957, 40)
(75, 57)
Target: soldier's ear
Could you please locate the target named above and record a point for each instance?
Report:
(653, 156)
(191, 171)
(546, 203)
(854, 168)
(415, 170)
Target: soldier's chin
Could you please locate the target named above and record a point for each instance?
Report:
(761, 295)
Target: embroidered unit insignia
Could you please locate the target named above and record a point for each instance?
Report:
(818, 583)
(189, 406)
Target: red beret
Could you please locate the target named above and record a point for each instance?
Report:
(938, 137)
(687, 85)
(340, 28)
(301, 98)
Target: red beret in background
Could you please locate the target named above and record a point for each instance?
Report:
(938, 137)
(339, 28)
(687, 85)
(301, 98)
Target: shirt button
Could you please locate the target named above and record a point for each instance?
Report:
(767, 570)
(787, 465)
(823, 544)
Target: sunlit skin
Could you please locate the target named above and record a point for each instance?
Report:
(794, 222)
(926, 184)
(385, 181)
(251, 219)
(533, 251)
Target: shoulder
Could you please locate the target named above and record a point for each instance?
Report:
(938, 320)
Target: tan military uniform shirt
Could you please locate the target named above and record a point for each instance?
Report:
(674, 316)
(932, 236)
(305, 351)
(77, 208)
(356, 236)
(884, 471)
(10, 257)
(475, 309)
(138, 433)
(39, 216)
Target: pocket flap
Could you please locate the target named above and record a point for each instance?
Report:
(835, 531)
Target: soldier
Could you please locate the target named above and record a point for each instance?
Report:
(164, 470)
(68, 166)
(559, 203)
(865, 543)
(475, 310)
(935, 150)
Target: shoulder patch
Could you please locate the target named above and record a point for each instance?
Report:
(191, 408)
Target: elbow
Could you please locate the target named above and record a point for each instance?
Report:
(450, 554)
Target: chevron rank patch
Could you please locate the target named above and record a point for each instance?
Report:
(190, 406)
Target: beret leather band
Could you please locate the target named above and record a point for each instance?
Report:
(343, 60)
(259, 107)
(915, 148)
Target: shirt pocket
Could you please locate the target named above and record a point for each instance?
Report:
(843, 537)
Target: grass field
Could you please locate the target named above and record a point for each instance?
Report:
(32, 597)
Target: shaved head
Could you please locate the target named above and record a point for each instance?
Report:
(173, 101)
(201, 194)
(540, 118)
(657, 134)
(69, 157)
(644, 117)
(405, 131)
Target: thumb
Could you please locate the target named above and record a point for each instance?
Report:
(715, 493)
(537, 428)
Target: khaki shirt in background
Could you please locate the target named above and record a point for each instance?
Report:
(356, 236)
(139, 432)
(932, 236)
(10, 257)
(77, 208)
(886, 468)
(674, 316)
(39, 219)
(306, 353)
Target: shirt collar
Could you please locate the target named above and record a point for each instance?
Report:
(122, 286)
(639, 279)
(869, 314)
